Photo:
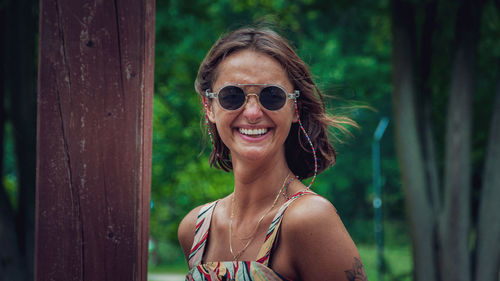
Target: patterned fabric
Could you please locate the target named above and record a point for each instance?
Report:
(234, 270)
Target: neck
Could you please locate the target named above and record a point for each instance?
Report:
(256, 185)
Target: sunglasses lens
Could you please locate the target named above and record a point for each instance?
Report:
(231, 97)
(272, 98)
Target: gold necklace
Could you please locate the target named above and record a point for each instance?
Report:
(251, 237)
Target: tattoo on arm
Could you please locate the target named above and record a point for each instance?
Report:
(357, 273)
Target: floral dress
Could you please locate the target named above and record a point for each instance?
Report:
(234, 270)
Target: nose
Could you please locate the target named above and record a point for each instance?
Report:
(252, 111)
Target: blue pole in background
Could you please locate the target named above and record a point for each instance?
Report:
(377, 199)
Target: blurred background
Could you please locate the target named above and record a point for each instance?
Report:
(376, 59)
(348, 49)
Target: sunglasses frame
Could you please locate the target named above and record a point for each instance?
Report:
(212, 95)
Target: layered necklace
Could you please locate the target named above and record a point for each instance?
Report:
(252, 235)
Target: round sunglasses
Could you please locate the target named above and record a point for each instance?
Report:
(233, 97)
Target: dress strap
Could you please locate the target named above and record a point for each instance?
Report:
(265, 250)
(201, 234)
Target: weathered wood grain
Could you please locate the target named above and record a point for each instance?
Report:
(95, 99)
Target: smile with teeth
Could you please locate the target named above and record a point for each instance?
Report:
(253, 132)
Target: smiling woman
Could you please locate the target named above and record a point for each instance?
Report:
(267, 122)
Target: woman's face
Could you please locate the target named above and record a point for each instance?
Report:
(252, 132)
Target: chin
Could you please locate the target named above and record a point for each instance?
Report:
(258, 155)
(253, 155)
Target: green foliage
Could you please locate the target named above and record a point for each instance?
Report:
(348, 49)
(398, 262)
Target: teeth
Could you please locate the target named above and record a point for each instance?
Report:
(253, 132)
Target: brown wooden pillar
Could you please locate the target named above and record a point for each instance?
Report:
(94, 139)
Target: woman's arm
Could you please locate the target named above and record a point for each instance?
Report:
(320, 247)
(185, 232)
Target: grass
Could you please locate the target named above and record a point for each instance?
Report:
(175, 262)
(398, 262)
(180, 268)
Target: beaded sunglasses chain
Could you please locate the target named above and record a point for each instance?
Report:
(205, 105)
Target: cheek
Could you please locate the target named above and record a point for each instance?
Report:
(222, 119)
(215, 113)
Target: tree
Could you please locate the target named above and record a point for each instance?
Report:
(439, 203)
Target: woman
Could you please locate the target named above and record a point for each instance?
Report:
(267, 122)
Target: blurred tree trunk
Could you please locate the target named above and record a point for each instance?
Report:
(408, 141)
(454, 226)
(440, 224)
(19, 60)
(425, 126)
(488, 242)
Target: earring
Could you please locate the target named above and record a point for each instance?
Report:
(310, 143)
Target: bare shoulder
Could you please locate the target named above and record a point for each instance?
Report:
(318, 243)
(309, 211)
(313, 216)
(185, 232)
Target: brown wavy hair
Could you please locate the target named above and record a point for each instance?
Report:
(311, 105)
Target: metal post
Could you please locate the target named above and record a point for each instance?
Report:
(377, 190)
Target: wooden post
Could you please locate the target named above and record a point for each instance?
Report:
(94, 139)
